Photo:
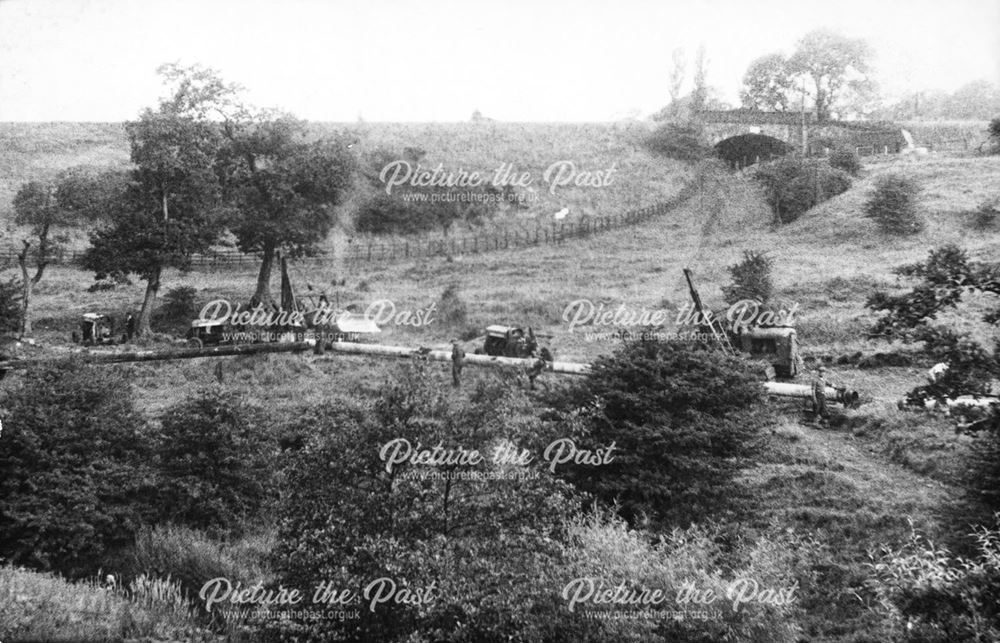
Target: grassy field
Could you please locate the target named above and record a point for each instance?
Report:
(853, 486)
(828, 262)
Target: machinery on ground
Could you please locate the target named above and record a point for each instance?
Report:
(95, 330)
(512, 341)
(776, 345)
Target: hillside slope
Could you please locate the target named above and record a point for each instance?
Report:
(35, 151)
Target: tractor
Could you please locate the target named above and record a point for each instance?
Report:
(512, 341)
(778, 346)
(205, 332)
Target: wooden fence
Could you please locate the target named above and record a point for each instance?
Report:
(384, 252)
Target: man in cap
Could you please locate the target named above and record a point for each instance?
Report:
(819, 385)
(457, 361)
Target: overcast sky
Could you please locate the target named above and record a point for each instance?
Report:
(517, 60)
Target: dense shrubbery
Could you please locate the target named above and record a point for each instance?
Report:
(751, 278)
(501, 550)
(10, 306)
(945, 277)
(681, 142)
(846, 159)
(682, 420)
(75, 475)
(488, 543)
(603, 548)
(982, 478)
(793, 185)
(81, 473)
(893, 205)
(986, 213)
(410, 209)
(214, 455)
(498, 547)
(994, 132)
(451, 307)
(931, 596)
(179, 305)
(440, 210)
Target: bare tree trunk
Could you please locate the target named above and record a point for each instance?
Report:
(143, 328)
(263, 292)
(26, 286)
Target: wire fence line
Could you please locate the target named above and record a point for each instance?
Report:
(396, 250)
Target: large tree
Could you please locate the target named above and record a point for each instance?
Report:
(78, 195)
(283, 186)
(833, 64)
(171, 209)
(767, 84)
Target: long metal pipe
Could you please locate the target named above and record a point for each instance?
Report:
(788, 389)
(781, 389)
(117, 357)
(567, 368)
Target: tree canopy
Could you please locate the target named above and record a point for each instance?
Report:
(282, 187)
(767, 84)
(835, 70)
(172, 207)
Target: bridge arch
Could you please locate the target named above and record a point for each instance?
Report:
(742, 150)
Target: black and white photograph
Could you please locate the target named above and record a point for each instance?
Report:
(546, 321)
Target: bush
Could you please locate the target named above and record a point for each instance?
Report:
(986, 213)
(74, 480)
(944, 277)
(930, 596)
(385, 215)
(433, 207)
(179, 305)
(751, 279)
(681, 142)
(216, 458)
(489, 542)
(982, 477)
(994, 131)
(682, 419)
(794, 185)
(893, 205)
(845, 159)
(603, 548)
(10, 306)
(452, 308)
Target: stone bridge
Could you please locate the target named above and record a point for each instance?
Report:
(743, 136)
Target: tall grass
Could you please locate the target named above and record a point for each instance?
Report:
(191, 558)
(45, 607)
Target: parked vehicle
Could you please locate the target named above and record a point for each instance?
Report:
(95, 329)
